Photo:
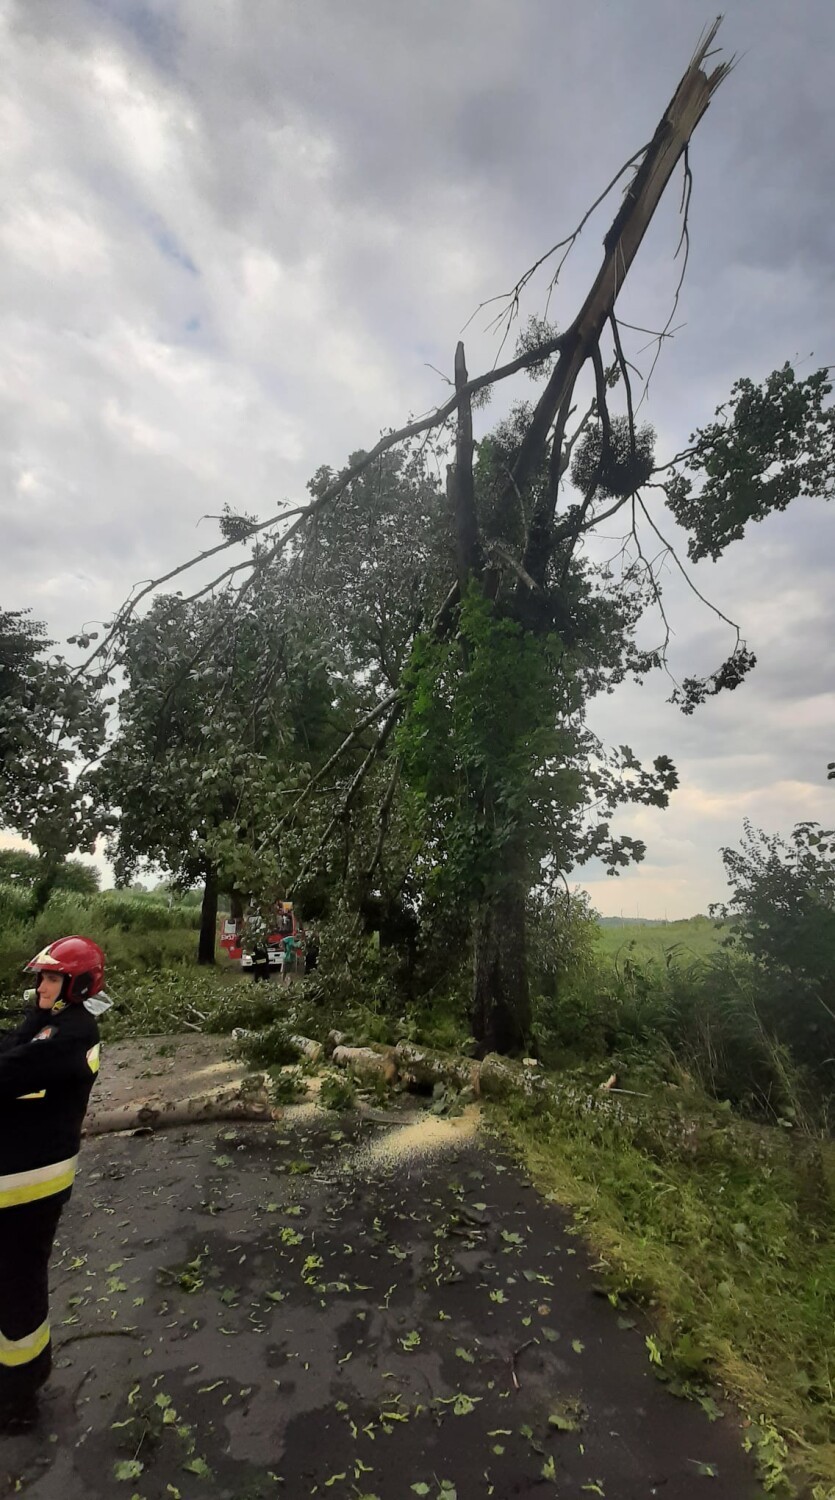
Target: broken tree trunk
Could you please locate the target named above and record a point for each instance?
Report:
(461, 487)
(208, 918)
(621, 245)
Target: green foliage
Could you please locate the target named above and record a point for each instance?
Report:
(494, 751)
(377, 562)
(614, 464)
(564, 971)
(50, 719)
(353, 971)
(287, 1084)
(725, 1229)
(183, 996)
(139, 936)
(783, 911)
(770, 444)
(221, 714)
(26, 870)
(474, 744)
(337, 1091)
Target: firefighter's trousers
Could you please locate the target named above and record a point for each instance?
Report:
(27, 1232)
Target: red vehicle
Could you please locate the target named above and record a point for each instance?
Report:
(286, 925)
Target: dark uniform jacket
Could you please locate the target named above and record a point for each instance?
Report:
(47, 1068)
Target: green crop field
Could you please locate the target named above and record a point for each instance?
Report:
(695, 937)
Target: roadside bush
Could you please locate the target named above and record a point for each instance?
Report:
(135, 933)
(707, 1020)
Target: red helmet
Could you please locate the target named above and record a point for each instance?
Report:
(73, 956)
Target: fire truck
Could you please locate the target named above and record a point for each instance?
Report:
(285, 925)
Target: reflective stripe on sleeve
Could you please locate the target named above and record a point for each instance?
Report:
(39, 1182)
(15, 1352)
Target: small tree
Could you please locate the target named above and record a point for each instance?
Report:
(783, 911)
(51, 726)
(19, 867)
(210, 738)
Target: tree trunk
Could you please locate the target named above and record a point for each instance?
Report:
(208, 918)
(501, 1013)
(236, 906)
(45, 882)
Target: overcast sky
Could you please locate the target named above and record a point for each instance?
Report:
(235, 236)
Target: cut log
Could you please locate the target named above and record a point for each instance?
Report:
(365, 1063)
(306, 1047)
(424, 1066)
(248, 1101)
(500, 1076)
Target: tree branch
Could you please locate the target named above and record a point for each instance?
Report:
(686, 576)
(337, 755)
(385, 810)
(350, 795)
(512, 297)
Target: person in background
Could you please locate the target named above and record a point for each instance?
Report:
(290, 946)
(254, 941)
(47, 1069)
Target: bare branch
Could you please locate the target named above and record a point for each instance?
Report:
(686, 576)
(390, 440)
(649, 572)
(684, 240)
(622, 364)
(512, 297)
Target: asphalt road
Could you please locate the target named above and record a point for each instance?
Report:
(312, 1308)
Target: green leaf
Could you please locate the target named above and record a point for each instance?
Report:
(465, 1355)
(577, 1345)
(128, 1468)
(563, 1421)
(199, 1467)
(707, 1471)
(463, 1405)
(420, 1488)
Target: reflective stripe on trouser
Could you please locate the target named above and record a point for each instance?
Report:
(26, 1236)
(39, 1182)
(22, 1351)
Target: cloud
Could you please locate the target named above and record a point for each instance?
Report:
(235, 238)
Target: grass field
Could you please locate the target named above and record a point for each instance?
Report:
(696, 937)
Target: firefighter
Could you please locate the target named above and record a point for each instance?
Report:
(47, 1068)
